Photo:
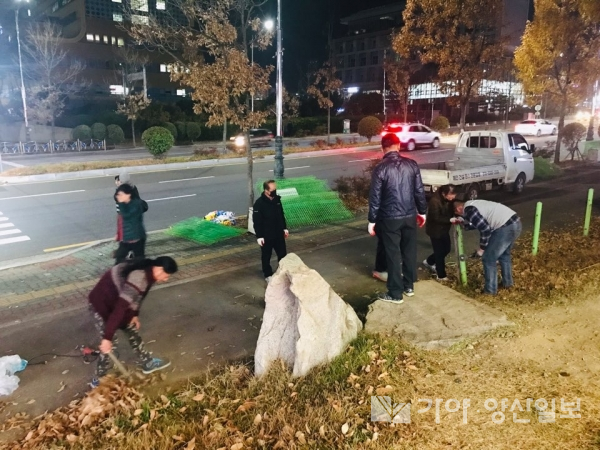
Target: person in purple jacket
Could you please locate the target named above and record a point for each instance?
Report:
(115, 304)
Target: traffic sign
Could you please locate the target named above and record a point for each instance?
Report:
(538, 107)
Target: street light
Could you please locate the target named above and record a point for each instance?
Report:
(268, 26)
(27, 131)
(278, 171)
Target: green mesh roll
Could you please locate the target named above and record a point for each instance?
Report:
(315, 203)
(202, 231)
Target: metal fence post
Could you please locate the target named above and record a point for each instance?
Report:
(536, 228)
(460, 254)
(588, 212)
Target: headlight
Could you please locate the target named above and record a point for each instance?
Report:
(240, 141)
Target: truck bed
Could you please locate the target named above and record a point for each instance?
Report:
(462, 174)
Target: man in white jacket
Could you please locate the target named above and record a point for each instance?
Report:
(499, 227)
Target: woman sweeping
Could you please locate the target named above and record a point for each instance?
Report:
(115, 304)
(437, 227)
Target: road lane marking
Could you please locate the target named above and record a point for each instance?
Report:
(12, 164)
(170, 198)
(43, 195)
(436, 151)
(185, 179)
(66, 247)
(6, 225)
(13, 231)
(3, 219)
(361, 160)
(14, 239)
(293, 168)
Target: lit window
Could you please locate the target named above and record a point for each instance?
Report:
(161, 4)
(29, 12)
(89, 37)
(139, 19)
(97, 38)
(139, 5)
(105, 39)
(113, 40)
(181, 92)
(117, 1)
(121, 42)
(163, 67)
(116, 89)
(117, 17)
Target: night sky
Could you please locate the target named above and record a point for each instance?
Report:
(305, 30)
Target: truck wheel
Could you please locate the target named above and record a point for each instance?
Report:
(410, 146)
(472, 192)
(519, 183)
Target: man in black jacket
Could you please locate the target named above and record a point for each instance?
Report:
(270, 226)
(396, 203)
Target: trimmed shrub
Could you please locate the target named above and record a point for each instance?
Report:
(114, 134)
(320, 130)
(82, 132)
(99, 131)
(172, 129)
(440, 123)
(158, 141)
(193, 130)
(369, 126)
(181, 132)
(571, 135)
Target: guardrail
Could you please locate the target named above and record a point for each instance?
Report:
(33, 147)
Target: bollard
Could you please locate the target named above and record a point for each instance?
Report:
(588, 212)
(460, 251)
(536, 228)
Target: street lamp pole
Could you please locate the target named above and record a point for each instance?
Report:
(252, 53)
(278, 171)
(23, 96)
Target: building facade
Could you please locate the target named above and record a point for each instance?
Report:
(359, 55)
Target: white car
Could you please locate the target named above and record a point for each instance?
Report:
(536, 127)
(412, 135)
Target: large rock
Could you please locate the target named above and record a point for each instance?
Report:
(305, 323)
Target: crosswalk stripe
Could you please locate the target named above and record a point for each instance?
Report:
(6, 225)
(14, 239)
(13, 231)
(3, 219)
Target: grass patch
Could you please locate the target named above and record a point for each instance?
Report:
(545, 169)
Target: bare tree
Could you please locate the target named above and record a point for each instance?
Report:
(398, 73)
(325, 83)
(210, 51)
(132, 107)
(54, 75)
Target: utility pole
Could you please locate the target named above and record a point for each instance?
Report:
(252, 53)
(279, 170)
(384, 105)
(145, 83)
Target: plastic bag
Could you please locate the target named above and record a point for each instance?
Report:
(222, 217)
(9, 365)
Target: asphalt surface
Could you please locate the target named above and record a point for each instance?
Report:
(39, 218)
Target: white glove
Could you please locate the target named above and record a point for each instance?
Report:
(261, 241)
(456, 220)
(480, 252)
(371, 229)
(286, 233)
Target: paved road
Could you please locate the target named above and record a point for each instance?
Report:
(38, 217)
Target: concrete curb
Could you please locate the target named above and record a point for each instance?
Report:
(171, 166)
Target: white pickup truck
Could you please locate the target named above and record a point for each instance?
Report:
(484, 160)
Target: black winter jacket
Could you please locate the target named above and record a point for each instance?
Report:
(396, 189)
(268, 217)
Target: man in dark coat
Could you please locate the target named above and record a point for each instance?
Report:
(396, 204)
(270, 226)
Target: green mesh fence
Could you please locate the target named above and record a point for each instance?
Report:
(314, 204)
(202, 231)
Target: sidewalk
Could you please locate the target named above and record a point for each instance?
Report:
(63, 284)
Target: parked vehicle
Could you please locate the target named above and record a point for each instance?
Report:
(259, 137)
(536, 127)
(485, 160)
(413, 135)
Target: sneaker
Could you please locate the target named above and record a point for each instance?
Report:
(388, 298)
(94, 383)
(381, 276)
(409, 292)
(431, 267)
(268, 279)
(442, 279)
(155, 364)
